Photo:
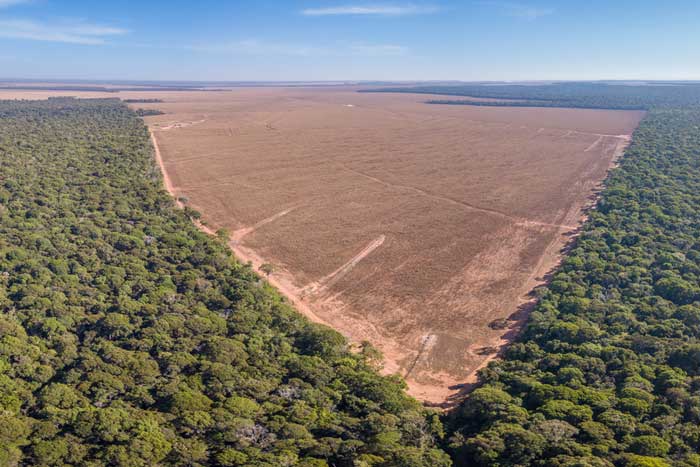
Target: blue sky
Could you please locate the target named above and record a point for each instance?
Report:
(349, 40)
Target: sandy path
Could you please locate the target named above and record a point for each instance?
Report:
(166, 178)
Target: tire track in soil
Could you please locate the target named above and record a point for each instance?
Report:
(330, 279)
(238, 235)
(517, 220)
(427, 343)
(176, 125)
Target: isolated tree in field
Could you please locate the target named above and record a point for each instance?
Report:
(267, 268)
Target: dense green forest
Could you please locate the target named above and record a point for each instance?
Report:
(129, 338)
(607, 371)
(565, 94)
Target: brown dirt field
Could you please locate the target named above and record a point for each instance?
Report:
(413, 226)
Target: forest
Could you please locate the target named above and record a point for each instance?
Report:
(130, 338)
(589, 95)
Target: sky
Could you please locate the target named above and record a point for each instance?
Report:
(239, 40)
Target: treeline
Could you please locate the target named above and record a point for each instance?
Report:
(142, 101)
(532, 103)
(129, 338)
(607, 371)
(566, 94)
(95, 88)
(148, 112)
(56, 87)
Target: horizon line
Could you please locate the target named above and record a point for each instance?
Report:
(336, 81)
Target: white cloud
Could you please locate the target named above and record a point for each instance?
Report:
(8, 3)
(262, 48)
(520, 10)
(71, 32)
(371, 10)
(256, 47)
(380, 50)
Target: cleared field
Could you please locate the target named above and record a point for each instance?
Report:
(414, 226)
(420, 228)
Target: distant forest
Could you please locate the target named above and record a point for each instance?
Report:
(94, 88)
(148, 112)
(142, 101)
(589, 95)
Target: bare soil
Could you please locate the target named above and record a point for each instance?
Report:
(413, 226)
